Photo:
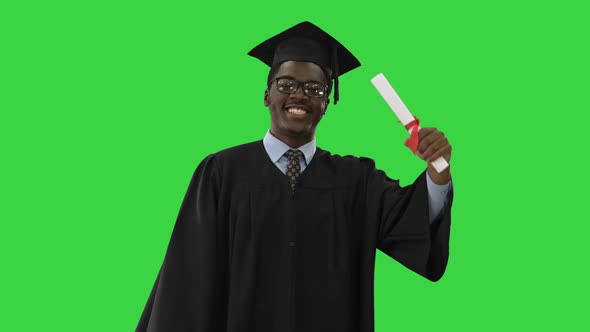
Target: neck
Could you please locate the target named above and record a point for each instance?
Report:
(292, 141)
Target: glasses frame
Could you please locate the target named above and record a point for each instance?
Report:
(299, 84)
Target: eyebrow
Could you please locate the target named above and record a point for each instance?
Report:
(293, 78)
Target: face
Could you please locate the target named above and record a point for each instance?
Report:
(294, 117)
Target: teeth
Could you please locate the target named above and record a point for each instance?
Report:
(296, 111)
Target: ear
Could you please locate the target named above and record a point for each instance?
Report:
(326, 107)
(266, 101)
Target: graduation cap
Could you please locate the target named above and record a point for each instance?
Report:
(306, 42)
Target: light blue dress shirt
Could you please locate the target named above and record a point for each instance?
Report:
(275, 148)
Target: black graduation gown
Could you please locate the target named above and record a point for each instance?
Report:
(248, 255)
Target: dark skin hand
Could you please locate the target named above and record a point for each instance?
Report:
(434, 144)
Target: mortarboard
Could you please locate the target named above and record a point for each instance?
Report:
(306, 42)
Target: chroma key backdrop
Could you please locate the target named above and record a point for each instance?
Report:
(107, 107)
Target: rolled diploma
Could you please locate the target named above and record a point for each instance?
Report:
(401, 111)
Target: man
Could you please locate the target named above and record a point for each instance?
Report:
(280, 235)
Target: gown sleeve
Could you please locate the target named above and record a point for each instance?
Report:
(190, 291)
(403, 229)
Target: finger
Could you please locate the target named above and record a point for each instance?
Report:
(423, 132)
(444, 152)
(435, 146)
(427, 140)
(419, 154)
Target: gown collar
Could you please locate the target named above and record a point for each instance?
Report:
(275, 148)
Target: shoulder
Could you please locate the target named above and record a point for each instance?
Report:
(229, 159)
(239, 151)
(235, 152)
(358, 170)
(348, 162)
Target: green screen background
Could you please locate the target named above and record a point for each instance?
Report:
(107, 107)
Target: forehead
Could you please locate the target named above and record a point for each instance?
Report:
(302, 71)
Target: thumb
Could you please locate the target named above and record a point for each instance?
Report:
(406, 143)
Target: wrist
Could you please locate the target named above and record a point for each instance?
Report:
(439, 178)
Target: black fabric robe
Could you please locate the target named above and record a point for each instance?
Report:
(248, 255)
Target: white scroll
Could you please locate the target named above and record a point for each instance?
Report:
(402, 112)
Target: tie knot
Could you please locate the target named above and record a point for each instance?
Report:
(294, 155)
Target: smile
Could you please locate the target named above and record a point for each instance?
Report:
(298, 111)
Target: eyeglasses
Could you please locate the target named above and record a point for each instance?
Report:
(310, 88)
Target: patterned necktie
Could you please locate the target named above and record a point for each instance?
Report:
(293, 168)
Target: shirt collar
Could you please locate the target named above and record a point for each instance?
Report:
(275, 148)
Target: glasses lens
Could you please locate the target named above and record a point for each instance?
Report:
(313, 89)
(286, 85)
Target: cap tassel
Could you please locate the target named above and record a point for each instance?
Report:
(335, 71)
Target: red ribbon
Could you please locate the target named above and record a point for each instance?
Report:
(414, 139)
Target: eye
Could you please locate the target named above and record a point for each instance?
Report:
(315, 88)
(286, 84)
